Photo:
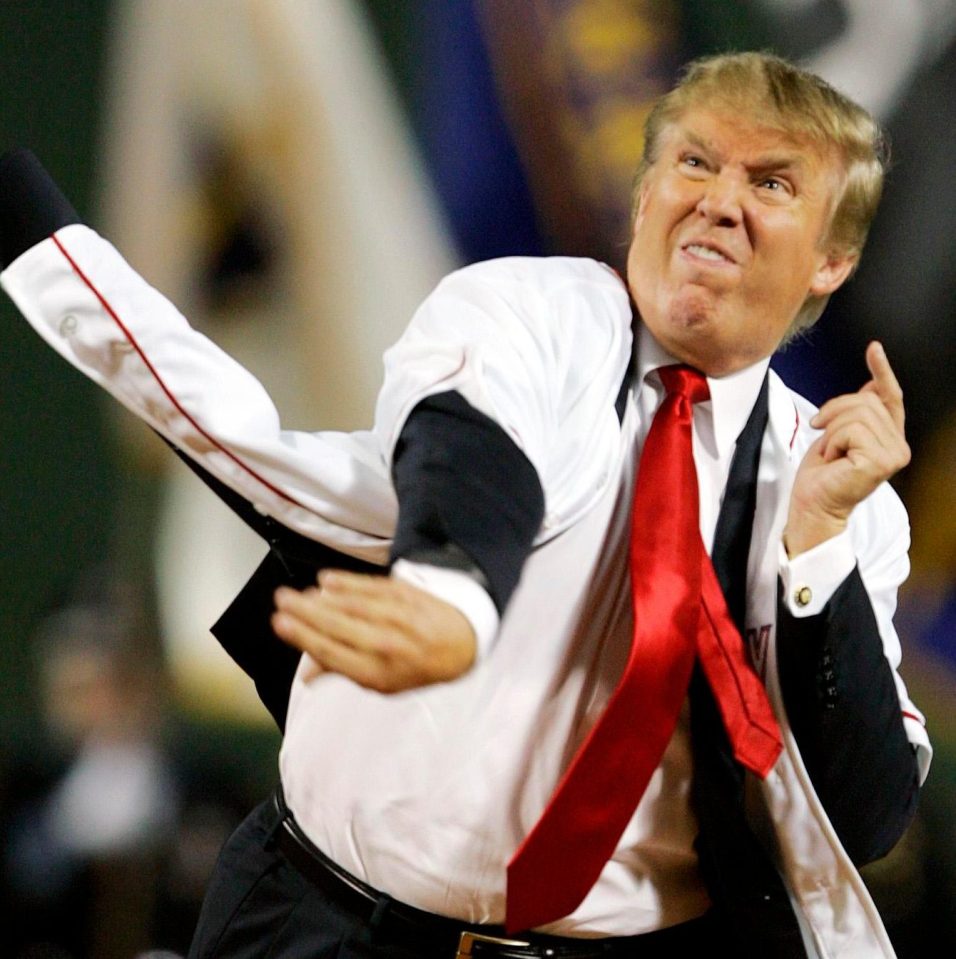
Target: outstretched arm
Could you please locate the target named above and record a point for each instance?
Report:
(91, 307)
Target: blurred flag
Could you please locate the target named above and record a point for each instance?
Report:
(530, 115)
(258, 172)
(579, 78)
(469, 146)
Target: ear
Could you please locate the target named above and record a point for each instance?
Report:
(832, 270)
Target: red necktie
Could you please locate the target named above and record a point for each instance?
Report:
(679, 612)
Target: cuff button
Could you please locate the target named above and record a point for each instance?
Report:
(803, 596)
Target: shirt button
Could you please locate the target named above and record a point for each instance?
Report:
(803, 596)
(68, 325)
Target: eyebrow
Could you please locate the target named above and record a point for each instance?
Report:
(777, 163)
(771, 162)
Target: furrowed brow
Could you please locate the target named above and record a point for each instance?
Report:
(777, 163)
(696, 141)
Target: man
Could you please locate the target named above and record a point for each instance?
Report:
(437, 708)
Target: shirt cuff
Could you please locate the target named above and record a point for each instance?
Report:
(461, 591)
(810, 579)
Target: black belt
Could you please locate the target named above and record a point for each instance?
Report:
(439, 936)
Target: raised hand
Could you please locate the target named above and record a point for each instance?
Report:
(383, 633)
(863, 444)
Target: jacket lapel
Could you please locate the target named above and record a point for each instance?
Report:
(774, 482)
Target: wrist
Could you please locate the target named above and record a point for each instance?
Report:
(458, 589)
(804, 531)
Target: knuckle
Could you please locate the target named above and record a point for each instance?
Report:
(387, 647)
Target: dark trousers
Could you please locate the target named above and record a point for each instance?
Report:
(259, 906)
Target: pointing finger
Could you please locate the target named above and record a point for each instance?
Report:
(884, 382)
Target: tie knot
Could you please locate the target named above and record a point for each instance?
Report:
(686, 381)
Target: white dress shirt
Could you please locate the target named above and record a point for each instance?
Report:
(426, 801)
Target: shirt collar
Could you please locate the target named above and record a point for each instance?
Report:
(731, 397)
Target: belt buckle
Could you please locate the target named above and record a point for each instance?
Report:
(468, 939)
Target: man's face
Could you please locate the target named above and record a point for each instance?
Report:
(728, 239)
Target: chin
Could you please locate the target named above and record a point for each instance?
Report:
(693, 311)
(690, 331)
(695, 341)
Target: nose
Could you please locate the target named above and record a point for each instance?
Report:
(720, 201)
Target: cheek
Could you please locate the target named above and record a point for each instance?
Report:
(644, 271)
(648, 240)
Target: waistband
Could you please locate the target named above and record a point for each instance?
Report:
(432, 935)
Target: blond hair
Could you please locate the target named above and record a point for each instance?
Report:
(800, 105)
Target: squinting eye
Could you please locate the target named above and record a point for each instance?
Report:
(692, 162)
(774, 185)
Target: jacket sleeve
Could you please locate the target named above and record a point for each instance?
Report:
(844, 700)
(844, 709)
(31, 206)
(469, 499)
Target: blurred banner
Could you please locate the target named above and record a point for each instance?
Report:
(258, 172)
(456, 109)
(578, 78)
(530, 114)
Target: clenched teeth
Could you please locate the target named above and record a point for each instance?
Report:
(706, 253)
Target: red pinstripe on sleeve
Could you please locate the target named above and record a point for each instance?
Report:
(111, 312)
